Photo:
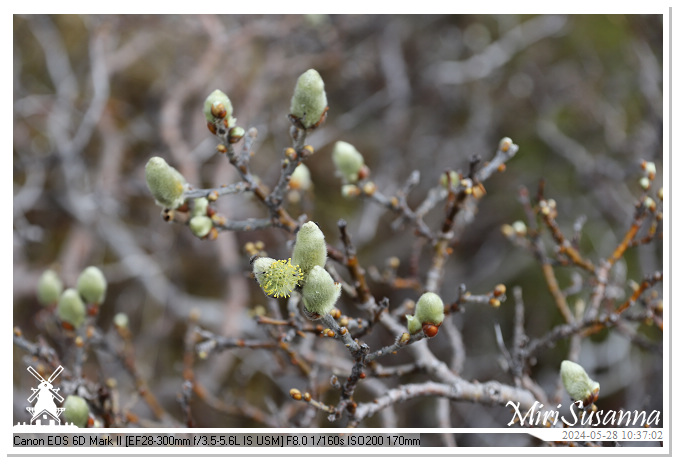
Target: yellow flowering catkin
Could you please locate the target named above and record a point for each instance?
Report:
(277, 278)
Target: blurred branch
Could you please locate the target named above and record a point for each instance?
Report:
(499, 52)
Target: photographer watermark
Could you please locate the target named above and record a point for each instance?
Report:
(580, 417)
(45, 412)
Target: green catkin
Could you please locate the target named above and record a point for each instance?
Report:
(200, 226)
(309, 101)
(429, 309)
(49, 288)
(320, 292)
(92, 285)
(76, 411)
(71, 308)
(576, 381)
(166, 184)
(310, 249)
(200, 207)
(300, 179)
(348, 161)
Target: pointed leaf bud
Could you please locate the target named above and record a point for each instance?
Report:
(277, 278)
(429, 309)
(414, 325)
(310, 249)
(320, 292)
(309, 103)
(217, 106)
(165, 183)
(71, 308)
(348, 161)
(200, 226)
(49, 288)
(76, 410)
(92, 285)
(578, 384)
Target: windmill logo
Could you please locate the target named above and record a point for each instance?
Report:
(45, 410)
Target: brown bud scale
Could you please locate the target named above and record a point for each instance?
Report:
(295, 394)
(500, 289)
(430, 330)
(218, 110)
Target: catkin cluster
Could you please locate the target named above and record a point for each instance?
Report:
(73, 305)
(305, 272)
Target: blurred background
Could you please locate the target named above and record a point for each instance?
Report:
(96, 96)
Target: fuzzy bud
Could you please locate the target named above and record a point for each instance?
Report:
(235, 133)
(166, 184)
(520, 228)
(277, 278)
(649, 168)
(71, 308)
(310, 249)
(300, 178)
(76, 411)
(92, 285)
(350, 191)
(649, 203)
(578, 384)
(348, 161)
(49, 288)
(200, 226)
(260, 266)
(217, 106)
(505, 144)
(414, 325)
(429, 309)
(320, 292)
(200, 207)
(121, 320)
(454, 179)
(309, 102)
